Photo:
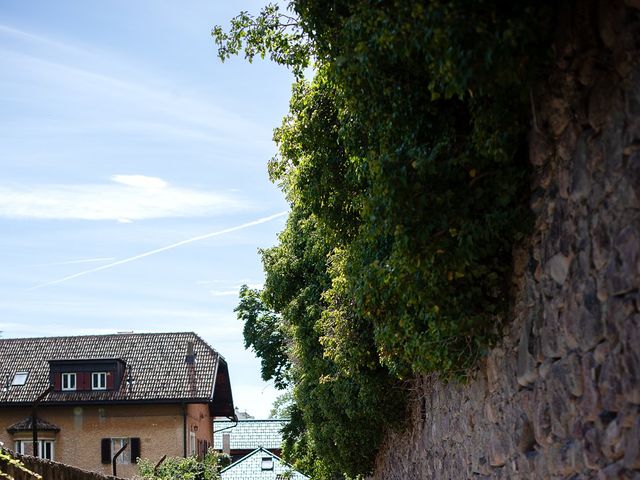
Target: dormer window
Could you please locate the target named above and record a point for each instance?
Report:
(99, 381)
(86, 375)
(68, 381)
(267, 463)
(20, 379)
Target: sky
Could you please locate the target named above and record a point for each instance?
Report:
(134, 193)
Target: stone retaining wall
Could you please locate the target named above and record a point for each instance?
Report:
(559, 397)
(47, 470)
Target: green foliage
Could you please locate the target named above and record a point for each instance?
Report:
(189, 468)
(270, 33)
(282, 405)
(405, 164)
(262, 332)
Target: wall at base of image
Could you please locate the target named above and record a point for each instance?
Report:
(30, 468)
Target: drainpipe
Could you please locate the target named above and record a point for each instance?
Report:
(34, 416)
(114, 460)
(184, 429)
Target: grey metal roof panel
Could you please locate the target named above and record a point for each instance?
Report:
(249, 468)
(249, 434)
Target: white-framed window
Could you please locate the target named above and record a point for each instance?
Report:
(267, 463)
(19, 379)
(45, 448)
(110, 446)
(68, 381)
(99, 381)
(117, 444)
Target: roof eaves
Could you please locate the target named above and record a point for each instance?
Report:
(247, 456)
(215, 375)
(57, 403)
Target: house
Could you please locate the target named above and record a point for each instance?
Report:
(260, 464)
(240, 438)
(254, 447)
(154, 393)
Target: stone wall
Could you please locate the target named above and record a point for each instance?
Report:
(559, 397)
(46, 469)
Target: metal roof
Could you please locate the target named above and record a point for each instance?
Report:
(155, 362)
(249, 434)
(250, 468)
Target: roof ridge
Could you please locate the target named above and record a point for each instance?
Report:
(267, 451)
(256, 420)
(116, 334)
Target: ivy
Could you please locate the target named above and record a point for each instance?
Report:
(404, 160)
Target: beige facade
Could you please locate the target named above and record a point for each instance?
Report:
(155, 392)
(162, 429)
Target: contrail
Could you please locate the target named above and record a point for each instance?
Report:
(69, 262)
(161, 249)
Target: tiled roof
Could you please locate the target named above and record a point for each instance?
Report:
(26, 425)
(250, 468)
(249, 434)
(156, 362)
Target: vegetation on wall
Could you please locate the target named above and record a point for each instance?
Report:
(404, 161)
(185, 468)
(8, 461)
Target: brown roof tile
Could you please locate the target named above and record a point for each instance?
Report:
(156, 361)
(26, 425)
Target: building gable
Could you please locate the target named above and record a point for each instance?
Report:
(261, 464)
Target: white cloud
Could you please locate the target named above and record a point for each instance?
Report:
(37, 39)
(126, 97)
(141, 181)
(224, 293)
(231, 291)
(129, 197)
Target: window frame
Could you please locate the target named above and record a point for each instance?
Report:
(125, 457)
(102, 383)
(21, 447)
(20, 379)
(267, 464)
(110, 445)
(64, 379)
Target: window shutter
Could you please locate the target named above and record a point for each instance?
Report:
(86, 380)
(135, 449)
(110, 376)
(105, 445)
(57, 381)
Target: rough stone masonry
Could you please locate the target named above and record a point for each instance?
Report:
(559, 396)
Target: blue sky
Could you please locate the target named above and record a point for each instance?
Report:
(121, 133)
